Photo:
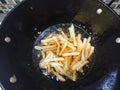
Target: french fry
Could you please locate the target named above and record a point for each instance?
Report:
(53, 59)
(68, 61)
(91, 51)
(43, 54)
(75, 60)
(81, 65)
(87, 50)
(58, 76)
(44, 47)
(46, 40)
(79, 42)
(54, 64)
(65, 63)
(64, 46)
(72, 34)
(58, 48)
(63, 34)
(48, 68)
(74, 75)
(74, 67)
(63, 40)
(71, 54)
(89, 39)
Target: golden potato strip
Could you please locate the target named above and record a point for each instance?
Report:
(74, 67)
(63, 34)
(71, 54)
(53, 72)
(79, 42)
(63, 40)
(44, 47)
(43, 54)
(48, 55)
(68, 61)
(50, 36)
(61, 70)
(83, 49)
(44, 62)
(54, 64)
(75, 60)
(89, 39)
(48, 68)
(64, 46)
(65, 63)
(91, 51)
(74, 75)
(58, 48)
(41, 65)
(61, 78)
(81, 65)
(37, 47)
(72, 34)
(53, 59)
(67, 50)
(87, 50)
(46, 40)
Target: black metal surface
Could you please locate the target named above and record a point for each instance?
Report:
(110, 3)
(32, 16)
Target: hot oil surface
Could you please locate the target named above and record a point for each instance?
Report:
(56, 29)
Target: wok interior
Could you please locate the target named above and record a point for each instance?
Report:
(37, 57)
(32, 17)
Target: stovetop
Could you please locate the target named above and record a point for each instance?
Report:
(7, 5)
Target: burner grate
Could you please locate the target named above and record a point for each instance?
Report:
(7, 5)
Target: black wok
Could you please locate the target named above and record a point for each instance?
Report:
(21, 27)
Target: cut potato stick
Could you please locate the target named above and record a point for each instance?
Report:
(91, 51)
(43, 54)
(48, 68)
(71, 54)
(75, 60)
(63, 34)
(63, 40)
(64, 46)
(74, 67)
(48, 55)
(53, 59)
(81, 70)
(67, 50)
(74, 75)
(79, 42)
(44, 47)
(87, 50)
(65, 63)
(46, 40)
(58, 76)
(58, 48)
(68, 61)
(72, 34)
(81, 65)
(54, 64)
(89, 39)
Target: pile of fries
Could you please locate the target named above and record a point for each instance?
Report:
(65, 55)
